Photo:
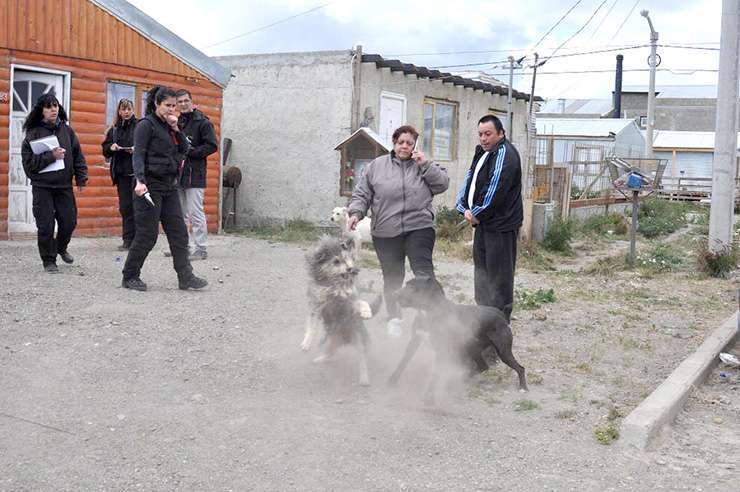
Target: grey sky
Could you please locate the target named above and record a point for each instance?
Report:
(406, 29)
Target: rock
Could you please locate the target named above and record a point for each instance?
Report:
(717, 420)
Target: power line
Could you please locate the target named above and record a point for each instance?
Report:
(314, 9)
(624, 21)
(598, 28)
(581, 29)
(557, 23)
(675, 71)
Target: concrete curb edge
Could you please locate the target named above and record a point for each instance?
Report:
(641, 427)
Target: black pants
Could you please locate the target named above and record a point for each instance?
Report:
(167, 211)
(125, 186)
(494, 257)
(50, 205)
(392, 253)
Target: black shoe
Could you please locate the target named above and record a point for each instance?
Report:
(195, 283)
(67, 258)
(124, 247)
(51, 268)
(133, 284)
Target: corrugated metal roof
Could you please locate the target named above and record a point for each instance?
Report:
(577, 106)
(676, 91)
(166, 39)
(583, 127)
(424, 72)
(670, 139)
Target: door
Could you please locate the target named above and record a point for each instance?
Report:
(28, 86)
(392, 115)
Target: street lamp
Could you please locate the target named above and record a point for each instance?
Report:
(652, 61)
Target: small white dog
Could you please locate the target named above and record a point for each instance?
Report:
(360, 235)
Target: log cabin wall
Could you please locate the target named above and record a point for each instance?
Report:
(96, 48)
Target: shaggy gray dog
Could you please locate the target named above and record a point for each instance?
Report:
(334, 302)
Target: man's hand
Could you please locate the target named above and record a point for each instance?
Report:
(140, 188)
(80, 188)
(471, 218)
(58, 153)
(115, 147)
(352, 222)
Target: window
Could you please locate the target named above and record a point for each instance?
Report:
(115, 92)
(439, 130)
(144, 95)
(643, 121)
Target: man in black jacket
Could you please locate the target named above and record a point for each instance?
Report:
(491, 201)
(202, 137)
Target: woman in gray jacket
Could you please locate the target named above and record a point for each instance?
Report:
(398, 188)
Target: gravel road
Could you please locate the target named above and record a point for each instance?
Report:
(103, 388)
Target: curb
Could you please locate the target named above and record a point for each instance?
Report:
(644, 423)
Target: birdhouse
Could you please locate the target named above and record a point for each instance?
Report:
(357, 151)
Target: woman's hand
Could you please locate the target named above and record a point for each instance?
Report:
(115, 147)
(419, 157)
(140, 188)
(131, 150)
(172, 121)
(58, 153)
(352, 222)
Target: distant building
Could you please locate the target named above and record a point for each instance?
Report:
(575, 108)
(678, 107)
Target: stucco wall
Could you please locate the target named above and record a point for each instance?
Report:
(285, 113)
(471, 106)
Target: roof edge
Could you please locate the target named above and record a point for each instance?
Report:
(446, 77)
(122, 10)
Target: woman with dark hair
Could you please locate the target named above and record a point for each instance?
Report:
(398, 188)
(53, 197)
(159, 148)
(118, 146)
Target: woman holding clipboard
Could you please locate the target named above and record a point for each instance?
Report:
(118, 146)
(52, 157)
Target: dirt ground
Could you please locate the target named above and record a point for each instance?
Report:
(103, 388)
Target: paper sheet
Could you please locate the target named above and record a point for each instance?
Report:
(44, 145)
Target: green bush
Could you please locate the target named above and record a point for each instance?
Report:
(448, 220)
(720, 264)
(558, 237)
(602, 224)
(532, 300)
(607, 434)
(660, 258)
(658, 217)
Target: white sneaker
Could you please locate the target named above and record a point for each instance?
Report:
(394, 327)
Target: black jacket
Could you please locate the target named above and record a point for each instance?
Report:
(497, 201)
(203, 143)
(74, 161)
(158, 152)
(120, 160)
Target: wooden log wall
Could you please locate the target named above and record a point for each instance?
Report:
(83, 34)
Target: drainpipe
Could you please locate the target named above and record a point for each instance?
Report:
(618, 89)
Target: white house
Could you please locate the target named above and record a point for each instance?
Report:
(285, 113)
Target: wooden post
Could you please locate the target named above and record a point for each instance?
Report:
(633, 227)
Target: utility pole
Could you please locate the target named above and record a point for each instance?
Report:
(653, 62)
(725, 136)
(510, 117)
(534, 78)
